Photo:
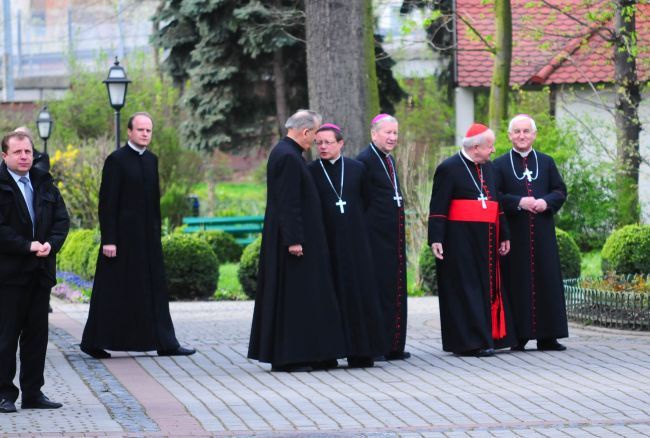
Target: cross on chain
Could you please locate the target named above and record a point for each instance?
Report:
(397, 199)
(340, 205)
(483, 198)
(528, 174)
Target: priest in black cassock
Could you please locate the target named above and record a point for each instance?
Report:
(129, 306)
(385, 223)
(342, 186)
(532, 191)
(296, 322)
(467, 235)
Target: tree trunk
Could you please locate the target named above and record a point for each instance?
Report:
(628, 125)
(281, 107)
(341, 66)
(501, 72)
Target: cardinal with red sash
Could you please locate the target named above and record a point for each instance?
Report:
(468, 234)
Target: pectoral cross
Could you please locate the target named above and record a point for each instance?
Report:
(483, 198)
(528, 174)
(340, 205)
(397, 199)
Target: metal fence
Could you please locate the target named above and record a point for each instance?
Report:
(616, 309)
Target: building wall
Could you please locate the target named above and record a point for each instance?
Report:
(592, 115)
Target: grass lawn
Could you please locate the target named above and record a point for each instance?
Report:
(590, 266)
(234, 199)
(229, 287)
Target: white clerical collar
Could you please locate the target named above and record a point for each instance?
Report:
(462, 151)
(17, 177)
(135, 148)
(523, 154)
(334, 160)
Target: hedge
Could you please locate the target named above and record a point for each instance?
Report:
(427, 270)
(223, 244)
(191, 266)
(79, 253)
(627, 251)
(248, 267)
(570, 259)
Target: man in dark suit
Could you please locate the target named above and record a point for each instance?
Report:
(33, 226)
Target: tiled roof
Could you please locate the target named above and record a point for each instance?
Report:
(549, 46)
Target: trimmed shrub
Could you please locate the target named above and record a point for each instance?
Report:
(570, 259)
(191, 266)
(627, 251)
(427, 270)
(223, 244)
(79, 253)
(248, 266)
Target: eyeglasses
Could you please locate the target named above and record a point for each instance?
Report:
(326, 143)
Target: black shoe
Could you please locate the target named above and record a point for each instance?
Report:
(521, 346)
(7, 406)
(551, 345)
(360, 362)
(323, 365)
(481, 352)
(398, 355)
(40, 402)
(291, 368)
(180, 351)
(97, 353)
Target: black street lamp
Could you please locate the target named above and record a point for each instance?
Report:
(116, 84)
(44, 124)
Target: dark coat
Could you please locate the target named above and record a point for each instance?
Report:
(17, 263)
(129, 307)
(385, 223)
(41, 161)
(532, 269)
(350, 255)
(296, 317)
(467, 274)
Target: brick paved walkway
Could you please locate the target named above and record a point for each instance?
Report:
(599, 387)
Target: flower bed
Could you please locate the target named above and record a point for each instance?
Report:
(72, 288)
(610, 301)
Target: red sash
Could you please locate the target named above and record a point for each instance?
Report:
(470, 210)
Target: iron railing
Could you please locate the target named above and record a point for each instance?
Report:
(617, 309)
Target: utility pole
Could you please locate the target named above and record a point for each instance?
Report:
(7, 61)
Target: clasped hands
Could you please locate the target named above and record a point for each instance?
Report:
(41, 249)
(533, 205)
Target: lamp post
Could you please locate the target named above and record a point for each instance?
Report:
(44, 124)
(116, 84)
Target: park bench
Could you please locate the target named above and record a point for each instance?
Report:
(243, 228)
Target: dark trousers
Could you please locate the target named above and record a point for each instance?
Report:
(24, 320)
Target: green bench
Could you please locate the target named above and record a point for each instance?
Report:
(243, 228)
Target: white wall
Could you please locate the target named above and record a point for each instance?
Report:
(592, 115)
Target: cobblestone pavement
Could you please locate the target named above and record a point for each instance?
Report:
(600, 386)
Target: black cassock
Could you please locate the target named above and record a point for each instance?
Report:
(350, 254)
(467, 276)
(296, 317)
(384, 220)
(129, 306)
(532, 269)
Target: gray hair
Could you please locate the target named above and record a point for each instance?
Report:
(479, 139)
(303, 119)
(375, 126)
(519, 117)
